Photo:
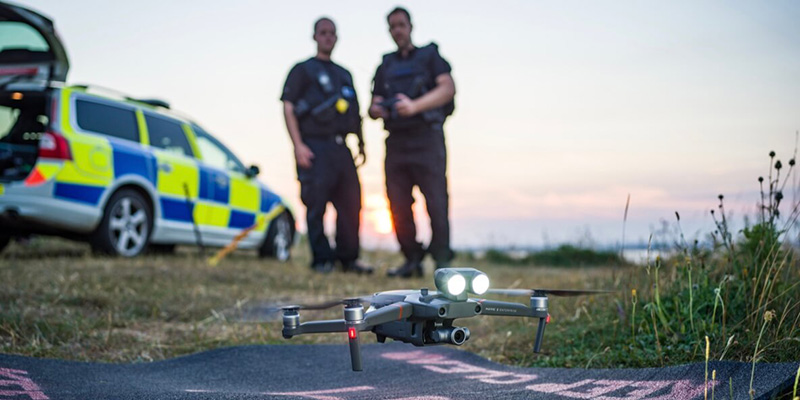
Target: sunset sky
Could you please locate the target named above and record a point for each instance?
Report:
(563, 108)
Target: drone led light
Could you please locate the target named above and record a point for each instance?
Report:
(451, 283)
(456, 284)
(480, 283)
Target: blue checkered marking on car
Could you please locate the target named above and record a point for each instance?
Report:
(241, 219)
(214, 185)
(222, 187)
(131, 160)
(80, 193)
(177, 210)
(206, 189)
(268, 200)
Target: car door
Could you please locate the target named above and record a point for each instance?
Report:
(178, 181)
(244, 192)
(31, 53)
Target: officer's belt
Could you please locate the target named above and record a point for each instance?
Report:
(420, 129)
(338, 138)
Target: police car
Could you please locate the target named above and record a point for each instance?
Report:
(123, 174)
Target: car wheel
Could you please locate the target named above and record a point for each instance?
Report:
(4, 240)
(279, 239)
(126, 225)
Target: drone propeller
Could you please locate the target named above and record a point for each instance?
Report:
(554, 292)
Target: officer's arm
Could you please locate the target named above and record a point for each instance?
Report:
(442, 94)
(302, 153)
(291, 122)
(375, 109)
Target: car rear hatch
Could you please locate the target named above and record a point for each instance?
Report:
(23, 120)
(32, 60)
(31, 54)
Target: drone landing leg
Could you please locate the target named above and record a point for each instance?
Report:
(537, 345)
(355, 350)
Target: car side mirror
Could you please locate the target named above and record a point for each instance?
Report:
(252, 171)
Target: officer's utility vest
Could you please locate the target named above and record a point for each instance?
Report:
(330, 101)
(413, 77)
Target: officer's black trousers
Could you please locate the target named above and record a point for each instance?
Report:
(419, 160)
(331, 178)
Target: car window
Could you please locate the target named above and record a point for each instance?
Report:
(107, 120)
(215, 153)
(168, 134)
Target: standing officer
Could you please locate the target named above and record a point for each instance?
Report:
(320, 108)
(413, 93)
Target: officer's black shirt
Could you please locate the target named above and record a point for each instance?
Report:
(435, 66)
(301, 84)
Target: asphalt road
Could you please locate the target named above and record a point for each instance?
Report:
(391, 371)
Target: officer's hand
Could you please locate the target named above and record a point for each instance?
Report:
(361, 158)
(405, 107)
(376, 110)
(303, 155)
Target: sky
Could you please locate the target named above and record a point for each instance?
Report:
(563, 109)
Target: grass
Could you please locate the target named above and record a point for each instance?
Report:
(57, 300)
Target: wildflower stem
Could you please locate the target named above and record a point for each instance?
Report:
(691, 298)
(713, 382)
(633, 317)
(796, 380)
(705, 394)
(730, 386)
(767, 318)
(659, 308)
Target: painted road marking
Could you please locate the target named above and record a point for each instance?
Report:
(327, 394)
(15, 378)
(601, 389)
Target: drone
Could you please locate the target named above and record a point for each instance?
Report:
(424, 317)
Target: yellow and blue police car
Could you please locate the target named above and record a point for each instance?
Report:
(123, 174)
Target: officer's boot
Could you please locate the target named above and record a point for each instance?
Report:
(407, 270)
(356, 266)
(322, 267)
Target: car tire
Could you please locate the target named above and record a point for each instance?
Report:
(280, 236)
(126, 225)
(4, 240)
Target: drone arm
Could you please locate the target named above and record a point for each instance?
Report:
(389, 313)
(491, 307)
(328, 326)
(503, 308)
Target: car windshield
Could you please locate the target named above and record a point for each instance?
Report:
(19, 42)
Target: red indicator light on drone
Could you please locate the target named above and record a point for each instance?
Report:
(352, 333)
(547, 321)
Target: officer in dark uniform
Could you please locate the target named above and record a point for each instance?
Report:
(413, 93)
(320, 109)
